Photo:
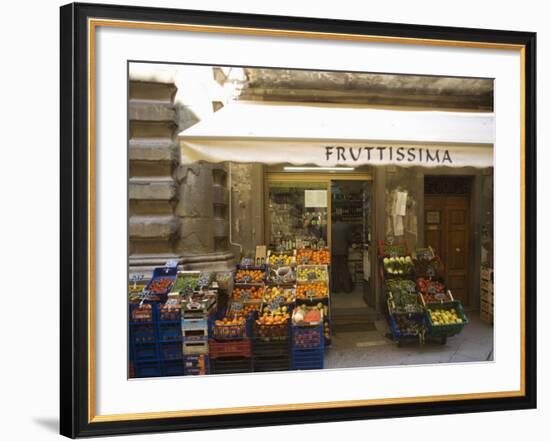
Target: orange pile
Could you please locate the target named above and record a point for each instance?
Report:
(313, 257)
(226, 321)
(256, 292)
(256, 276)
(319, 290)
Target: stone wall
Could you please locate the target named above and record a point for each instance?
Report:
(175, 211)
(151, 187)
(247, 207)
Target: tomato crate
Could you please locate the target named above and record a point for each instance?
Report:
(305, 359)
(308, 337)
(147, 369)
(236, 348)
(171, 351)
(161, 283)
(232, 365)
(172, 368)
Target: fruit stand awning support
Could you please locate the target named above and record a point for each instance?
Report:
(328, 136)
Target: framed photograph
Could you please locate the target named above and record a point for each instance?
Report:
(279, 220)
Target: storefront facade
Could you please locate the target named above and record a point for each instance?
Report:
(323, 231)
(442, 175)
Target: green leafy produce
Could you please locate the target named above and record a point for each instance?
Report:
(401, 265)
(403, 295)
(186, 282)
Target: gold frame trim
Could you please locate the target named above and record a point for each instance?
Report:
(92, 25)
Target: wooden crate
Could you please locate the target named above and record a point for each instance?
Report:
(486, 317)
(487, 296)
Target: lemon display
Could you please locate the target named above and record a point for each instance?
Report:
(441, 316)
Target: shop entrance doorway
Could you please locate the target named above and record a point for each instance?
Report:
(447, 230)
(314, 209)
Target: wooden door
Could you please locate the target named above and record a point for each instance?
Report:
(446, 220)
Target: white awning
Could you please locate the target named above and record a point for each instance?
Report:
(325, 135)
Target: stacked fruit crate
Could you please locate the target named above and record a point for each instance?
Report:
(486, 294)
(308, 341)
(170, 337)
(197, 308)
(144, 346)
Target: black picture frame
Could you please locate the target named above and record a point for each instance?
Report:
(74, 191)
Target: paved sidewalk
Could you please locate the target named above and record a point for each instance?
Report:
(364, 349)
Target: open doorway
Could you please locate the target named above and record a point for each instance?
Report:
(351, 234)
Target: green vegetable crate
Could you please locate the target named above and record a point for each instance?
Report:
(442, 331)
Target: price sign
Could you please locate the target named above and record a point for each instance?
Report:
(247, 278)
(432, 289)
(136, 278)
(245, 295)
(279, 299)
(273, 306)
(440, 296)
(311, 276)
(236, 306)
(430, 272)
(172, 263)
(280, 261)
(310, 293)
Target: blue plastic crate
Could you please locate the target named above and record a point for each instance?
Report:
(143, 333)
(173, 368)
(148, 369)
(169, 332)
(146, 352)
(153, 318)
(162, 272)
(308, 337)
(191, 364)
(171, 351)
(397, 334)
(303, 359)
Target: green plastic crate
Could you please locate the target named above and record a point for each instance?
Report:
(448, 330)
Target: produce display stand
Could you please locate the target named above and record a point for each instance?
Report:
(408, 308)
(406, 326)
(271, 347)
(308, 343)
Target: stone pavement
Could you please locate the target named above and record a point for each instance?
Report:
(373, 348)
